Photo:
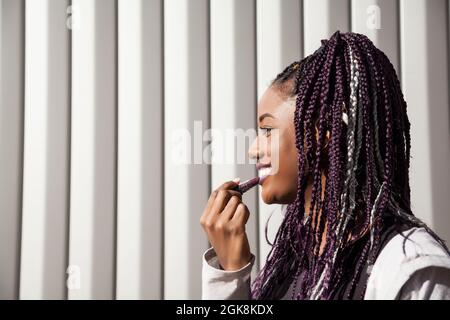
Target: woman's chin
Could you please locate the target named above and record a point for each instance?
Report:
(274, 198)
(267, 200)
(273, 193)
(268, 193)
(267, 196)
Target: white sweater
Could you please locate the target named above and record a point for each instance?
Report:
(422, 272)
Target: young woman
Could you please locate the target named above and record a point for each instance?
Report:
(342, 170)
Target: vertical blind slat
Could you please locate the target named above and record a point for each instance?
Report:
(139, 224)
(12, 26)
(45, 178)
(93, 154)
(186, 189)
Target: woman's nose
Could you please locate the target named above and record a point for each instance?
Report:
(254, 152)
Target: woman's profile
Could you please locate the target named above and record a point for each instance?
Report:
(342, 170)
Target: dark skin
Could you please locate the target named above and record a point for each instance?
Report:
(225, 215)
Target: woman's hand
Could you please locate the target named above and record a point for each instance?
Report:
(224, 220)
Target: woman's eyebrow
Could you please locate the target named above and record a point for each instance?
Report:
(265, 115)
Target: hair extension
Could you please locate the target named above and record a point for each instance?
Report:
(348, 89)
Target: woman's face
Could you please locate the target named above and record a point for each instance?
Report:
(274, 148)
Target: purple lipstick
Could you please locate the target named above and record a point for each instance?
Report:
(248, 184)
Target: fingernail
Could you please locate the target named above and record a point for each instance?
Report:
(236, 180)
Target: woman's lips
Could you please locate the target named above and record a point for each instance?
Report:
(260, 165)
(263, 173)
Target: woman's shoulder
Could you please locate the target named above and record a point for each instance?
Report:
(413, 243)
(403, 255)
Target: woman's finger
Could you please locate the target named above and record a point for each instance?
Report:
(210, 202)
(215, 207)
(222, 198)
(220, 202)
(241, 215)
(229, 210)
(234, 193)
(228, 185)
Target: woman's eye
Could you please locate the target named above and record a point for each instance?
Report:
(266, 131)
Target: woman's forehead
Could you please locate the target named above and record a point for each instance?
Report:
(274, 103)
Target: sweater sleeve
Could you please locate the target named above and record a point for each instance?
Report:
(219, 284)
(432, 283)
